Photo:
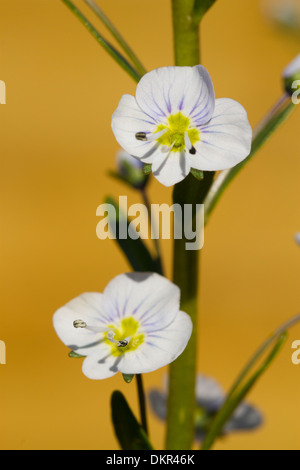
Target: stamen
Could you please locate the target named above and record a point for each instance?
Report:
(110, 335)
(187, 141)
(151, 137)
(79, 324)
(166, 149)
(188, 144)
(82, 324)
(156, 135)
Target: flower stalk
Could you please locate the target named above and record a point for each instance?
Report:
(142, 402)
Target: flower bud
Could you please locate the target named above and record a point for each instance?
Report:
(131, 170)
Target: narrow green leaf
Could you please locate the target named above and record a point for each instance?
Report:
(119, 58)
(115, 33)
(135, 251)
(238, 391)
(129, 432)
(277, 116)
(128, 378)
(233, 401)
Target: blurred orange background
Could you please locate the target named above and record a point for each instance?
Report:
(56, 149)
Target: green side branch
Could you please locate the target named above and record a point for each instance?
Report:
(276, 118)
(119, 58)
(118, 37)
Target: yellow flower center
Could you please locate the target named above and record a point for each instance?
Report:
(174, 137)
(128, 328)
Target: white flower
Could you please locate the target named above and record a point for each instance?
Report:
(135, 326)
(175, 123)
(297, 238)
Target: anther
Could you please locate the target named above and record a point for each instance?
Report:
(122, 343)
(193, 151)
(141, 136)
(79, 324)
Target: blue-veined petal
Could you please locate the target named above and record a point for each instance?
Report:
(160, 347)
(170, 168)
(169, 90)
(101, 364)
(150, 298)
(225, 141)
(88, 308)
(127, 121)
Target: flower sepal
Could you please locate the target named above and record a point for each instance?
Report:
(198, 174)
(128, 378)
(74, 355)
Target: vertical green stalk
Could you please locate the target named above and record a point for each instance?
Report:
(186, 33)
(181, 402)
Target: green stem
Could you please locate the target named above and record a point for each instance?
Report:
(275, 118)
(142, 402)
(103, 42)
(154, 233)
(119, 38)
(181, 400)
(201, 7)
(186, 33)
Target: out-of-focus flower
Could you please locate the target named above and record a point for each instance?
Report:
(135, 326)
(291, 76)
(285, 13)
(175, 123)
(130, 170)
(210, 397)
(297, 238)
